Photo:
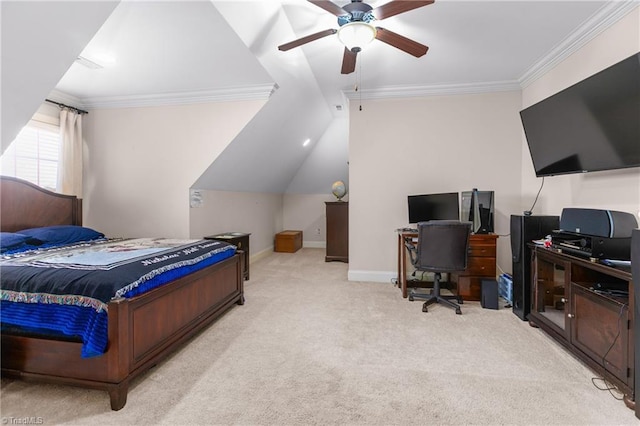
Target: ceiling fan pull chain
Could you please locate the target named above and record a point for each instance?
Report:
(359, 79)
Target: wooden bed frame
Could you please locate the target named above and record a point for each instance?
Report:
(142, 330)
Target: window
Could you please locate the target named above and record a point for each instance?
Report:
(33, 155)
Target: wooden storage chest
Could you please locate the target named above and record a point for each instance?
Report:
(288, 241)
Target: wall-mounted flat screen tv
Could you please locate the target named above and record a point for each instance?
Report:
(593, 125)
(427, 207)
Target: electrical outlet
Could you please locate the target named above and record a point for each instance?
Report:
(317, 231)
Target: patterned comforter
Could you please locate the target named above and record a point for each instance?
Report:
(66, 289)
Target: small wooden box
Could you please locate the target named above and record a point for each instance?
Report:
(288, 241)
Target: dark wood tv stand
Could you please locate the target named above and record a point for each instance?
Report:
(580, 303)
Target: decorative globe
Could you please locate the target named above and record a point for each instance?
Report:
(339, 189)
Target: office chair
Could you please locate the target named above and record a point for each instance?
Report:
(442, 247)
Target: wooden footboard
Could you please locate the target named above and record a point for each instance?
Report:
(142, 331)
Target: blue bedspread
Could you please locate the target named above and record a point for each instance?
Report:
(66, 289)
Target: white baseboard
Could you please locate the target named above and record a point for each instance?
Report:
(372, 276)
(314, 244)
(261, 254)
(270, 250)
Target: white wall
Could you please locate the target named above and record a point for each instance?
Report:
(262, 215)
(614, 190)
(141, 162)
(304, 200)
(307, 213)
(455, 143)
(259, 214)
(400, 147)
(326, 163)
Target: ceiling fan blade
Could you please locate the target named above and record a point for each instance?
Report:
(329, 6)
(306, 39)
(396, 7)
(400, 42)
(349, 61)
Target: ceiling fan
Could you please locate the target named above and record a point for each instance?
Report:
(356, 28)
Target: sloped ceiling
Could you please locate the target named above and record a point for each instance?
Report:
(39, 41)
(164, 52)
(268, 152)
(170, 52)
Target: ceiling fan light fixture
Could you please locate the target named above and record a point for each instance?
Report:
(356, 34)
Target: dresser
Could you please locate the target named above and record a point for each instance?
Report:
(337, 231)
(481, 265)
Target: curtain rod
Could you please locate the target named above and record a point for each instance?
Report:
(78, 110)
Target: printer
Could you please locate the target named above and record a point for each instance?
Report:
(595, 233)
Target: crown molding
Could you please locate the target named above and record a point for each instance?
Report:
(244, 93)
(66, 99)
(601, 20)
(605, 17)
(432, 90)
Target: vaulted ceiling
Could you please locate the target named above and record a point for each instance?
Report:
(166, 52)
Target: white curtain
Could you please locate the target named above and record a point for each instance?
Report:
(70, 160)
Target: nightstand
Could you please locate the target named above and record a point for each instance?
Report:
(238, 239)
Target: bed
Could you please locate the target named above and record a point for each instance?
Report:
(141, 329)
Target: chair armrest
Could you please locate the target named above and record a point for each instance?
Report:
(412, 249)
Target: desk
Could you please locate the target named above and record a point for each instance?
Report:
(402, 258)
(481, 264)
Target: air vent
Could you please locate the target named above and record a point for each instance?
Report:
(88, 63)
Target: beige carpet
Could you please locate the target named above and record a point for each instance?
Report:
(310, 347)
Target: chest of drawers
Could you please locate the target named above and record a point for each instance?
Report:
(481, 265)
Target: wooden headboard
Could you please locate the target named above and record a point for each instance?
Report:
(25, 205)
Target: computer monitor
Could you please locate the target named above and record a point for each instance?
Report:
(433, 207)
(477, 208)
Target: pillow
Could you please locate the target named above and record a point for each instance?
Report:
(63, 234)
(12, 239)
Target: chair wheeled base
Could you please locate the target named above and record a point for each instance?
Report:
(442, 247)
(436, 297)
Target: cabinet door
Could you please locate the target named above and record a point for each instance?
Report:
(599, 328)
(550, 298)
(469, 288)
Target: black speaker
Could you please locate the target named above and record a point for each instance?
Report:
(489, 298)
(600, 223)
(635, 277)
(524, 229)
